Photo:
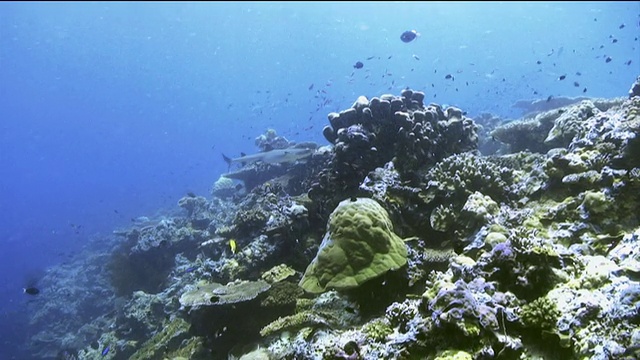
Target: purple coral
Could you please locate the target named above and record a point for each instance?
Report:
(503, 251)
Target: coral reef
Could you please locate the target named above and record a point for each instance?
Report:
(270, 140)
(389, 128)
(530, 252)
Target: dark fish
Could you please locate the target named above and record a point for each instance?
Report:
(106, 350)
(621, 26)
(549, 98)
(370, 57)
(576, 84)
(32, 290)
(562, 77)
(408, 36)
(584, 90)
(416, 57)
(628, 62)
(614, 41)
(538, 62)
(191, 195)
(449, 76)
(608, 59)
(358, 65)
(578, 73)
(310, 87)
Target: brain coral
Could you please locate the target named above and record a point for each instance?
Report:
(359, 245)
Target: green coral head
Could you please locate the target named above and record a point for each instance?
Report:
(359, 245)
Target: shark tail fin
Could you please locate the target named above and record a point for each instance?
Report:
(227, 159)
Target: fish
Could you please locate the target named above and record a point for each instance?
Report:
(449, 76)
(358, 65)
(416, 57)
(608, 59)
(233, 246)
(409, 36)
(562, 77)
(31, 290)
(576, 84)
(106, 350)
(277, 156)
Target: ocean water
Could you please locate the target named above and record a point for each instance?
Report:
(112, 111)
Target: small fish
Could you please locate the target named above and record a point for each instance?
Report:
(621, 26)
(549, 98)
(409, 36)
(358, 65)
(614, 41)
(628, 63)
(370, 57)
(310, 87)
(106, 350)
(578, 73)
(562, 77)
(576, 84)
(449, 76)
(584, 90)
(31, 290)
(191, 194)
(416, 57)
(608, 59)
(538, 62)
(233, 246)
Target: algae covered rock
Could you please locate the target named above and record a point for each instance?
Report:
(359, 245)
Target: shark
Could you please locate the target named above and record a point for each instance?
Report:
(277, 156)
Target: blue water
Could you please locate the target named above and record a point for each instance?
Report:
(113, 111)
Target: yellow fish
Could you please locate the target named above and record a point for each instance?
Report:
(233, 245)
